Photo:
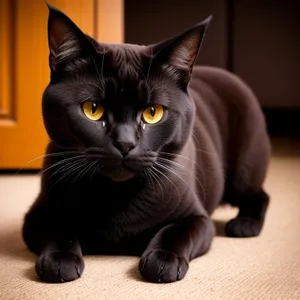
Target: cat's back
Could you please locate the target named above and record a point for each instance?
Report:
(228, 119)
(224, 105)
(220, 89)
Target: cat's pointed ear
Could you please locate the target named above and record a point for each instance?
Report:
(178, 55)
(66, 41)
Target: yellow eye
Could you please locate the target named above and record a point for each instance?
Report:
(153, 114)
(93, 110)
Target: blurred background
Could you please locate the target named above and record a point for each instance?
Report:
(257, 40)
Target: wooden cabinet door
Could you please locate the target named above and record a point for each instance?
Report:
(24, 71)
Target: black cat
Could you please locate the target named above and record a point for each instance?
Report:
(141, 152)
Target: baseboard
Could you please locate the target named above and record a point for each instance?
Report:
(17, 172)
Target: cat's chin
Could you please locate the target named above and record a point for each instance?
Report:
(122, 178)
(120, 175)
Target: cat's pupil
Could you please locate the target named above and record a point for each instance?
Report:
(152, 111)
(94, 107)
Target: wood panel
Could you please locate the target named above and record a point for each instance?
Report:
(6, 62)
(25, 73)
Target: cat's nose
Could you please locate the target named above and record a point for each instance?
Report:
(124, 146)
(124, 138)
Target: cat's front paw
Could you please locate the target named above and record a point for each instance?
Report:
(162, 266)
(59, 266)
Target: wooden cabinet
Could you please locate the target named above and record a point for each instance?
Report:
(24, 71)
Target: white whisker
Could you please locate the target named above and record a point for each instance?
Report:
(96, 165)
(186, 169)
(81, 173)
(60, 162)
(196, 164)
(170, 170)
(168, 180)
(65, 167)
(69, 172)
(49, 155)
(149, 176)
(156, 178)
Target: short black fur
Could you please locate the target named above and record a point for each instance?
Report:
(120, 185)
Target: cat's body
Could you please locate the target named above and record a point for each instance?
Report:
(141, 187)
(230, 124)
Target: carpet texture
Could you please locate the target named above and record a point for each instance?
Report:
(266, 267)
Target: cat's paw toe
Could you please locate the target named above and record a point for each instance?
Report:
(162, 266)
(243, 227)
(59, 266)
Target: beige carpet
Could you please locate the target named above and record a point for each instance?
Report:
(267, 267)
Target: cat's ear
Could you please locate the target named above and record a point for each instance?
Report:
(66, 41)
(178, 55)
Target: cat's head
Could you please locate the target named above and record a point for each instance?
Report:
(122, 104)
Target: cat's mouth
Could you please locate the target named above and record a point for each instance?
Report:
(121, 169)
(118, 173)
(121, 173)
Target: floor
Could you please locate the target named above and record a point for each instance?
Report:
(266, 267)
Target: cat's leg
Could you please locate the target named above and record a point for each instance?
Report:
(59, 252)
(167, 256)
(245, 185)
(251, 216)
